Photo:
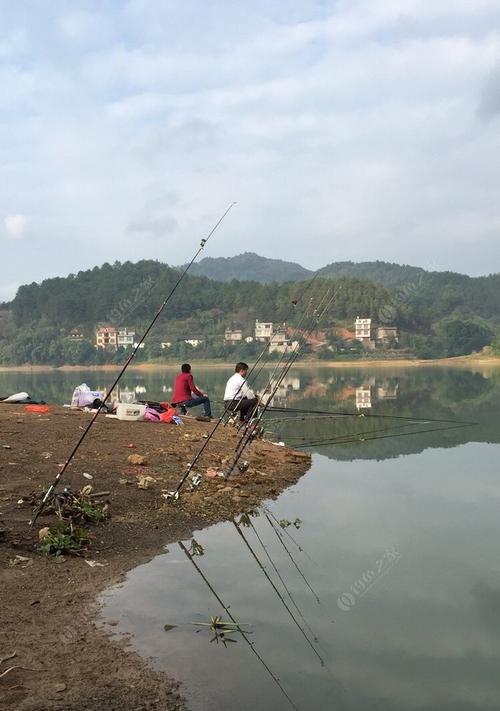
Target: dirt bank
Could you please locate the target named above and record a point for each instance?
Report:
(47, 610)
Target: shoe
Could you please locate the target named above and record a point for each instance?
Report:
(203, 418)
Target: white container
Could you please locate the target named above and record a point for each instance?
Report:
(125, 411)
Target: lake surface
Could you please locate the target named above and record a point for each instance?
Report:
(399, 531)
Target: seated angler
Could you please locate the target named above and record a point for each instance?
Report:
(187, 395)
(238, 397)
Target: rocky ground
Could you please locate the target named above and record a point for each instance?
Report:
(52, 656)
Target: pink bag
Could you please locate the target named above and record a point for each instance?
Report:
(151, 415)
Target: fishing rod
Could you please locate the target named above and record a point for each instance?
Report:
(280, 596)
(356, 438)
(362, 414)
(331, 438)
(239, 628)
(174, 495)
(246, 520)
(85, 432)
(251, 429)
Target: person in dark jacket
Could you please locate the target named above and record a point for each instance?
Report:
(186, 394)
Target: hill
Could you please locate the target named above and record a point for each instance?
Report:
(386, 273)
(250, 267)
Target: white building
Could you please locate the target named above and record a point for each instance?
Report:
(166, 344)
(195, 342)
(125, 338)
(263, 330)
(279, 343)
(363, 329)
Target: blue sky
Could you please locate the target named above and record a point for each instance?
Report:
(361, 129)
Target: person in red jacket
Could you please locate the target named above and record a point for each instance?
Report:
(186, 394)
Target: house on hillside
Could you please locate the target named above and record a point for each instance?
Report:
(263, 330)
(125, 338)
(195, 342)
(233, 336)
(280, 343)
(386, 335)
(76, 335)
(106, 337)
(363, 329)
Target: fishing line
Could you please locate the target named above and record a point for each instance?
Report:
(242, 632)
(362, 414)
(285, 604)
(321, 443)
(85, 432)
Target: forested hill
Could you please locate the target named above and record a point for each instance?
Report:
(437, 313)
(250, 267)
(385, 273)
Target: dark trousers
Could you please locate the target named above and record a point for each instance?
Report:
(243, 406)
(194, 401)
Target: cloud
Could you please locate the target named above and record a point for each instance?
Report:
(15, 226)
(353, 125)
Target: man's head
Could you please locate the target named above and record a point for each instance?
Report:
(185, 368)
(242, 369)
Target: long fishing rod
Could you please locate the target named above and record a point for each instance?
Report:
(85, 432)
(330, 438)
(280, 596)
(362, 414)
(252, 427)
(174, 495)
(242, 632)
(280, 537)
(280, 577)
(355, 438)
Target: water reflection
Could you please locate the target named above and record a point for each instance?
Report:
(440, 393)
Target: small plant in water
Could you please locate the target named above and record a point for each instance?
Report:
(284, 523)
(221, 629)
(196, 548)
(62, 538)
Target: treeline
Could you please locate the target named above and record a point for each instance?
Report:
(438, 313)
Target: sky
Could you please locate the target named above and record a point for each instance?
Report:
(347, 129)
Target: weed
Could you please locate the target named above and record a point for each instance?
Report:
(63, 538)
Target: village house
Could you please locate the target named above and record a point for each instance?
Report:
(387, 335)
(125, 338)
(263, 331)
(76, 335)
(363, 329)
(280, 343)
(106, 337)
(233, 336)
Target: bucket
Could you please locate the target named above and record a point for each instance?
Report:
(125, 411)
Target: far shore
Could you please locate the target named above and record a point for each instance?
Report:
(474, 360)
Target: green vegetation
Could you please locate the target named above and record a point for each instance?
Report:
(62, 538)
(250, 267)
(437, 313)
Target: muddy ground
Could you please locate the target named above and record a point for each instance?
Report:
(62, 661)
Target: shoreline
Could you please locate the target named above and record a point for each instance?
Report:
(50, 608)
(457, 361)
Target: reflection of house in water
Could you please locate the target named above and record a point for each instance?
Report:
(289, 384)
(364, 397)
(387, 391)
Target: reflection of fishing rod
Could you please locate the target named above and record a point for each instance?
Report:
(295, 543)
(85, 432)
(295, 438)
(280, 596)
(280, 577)
(242, 632)
(357, 438)
(279, 535)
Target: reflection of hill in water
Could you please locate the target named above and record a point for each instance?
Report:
(434, 393)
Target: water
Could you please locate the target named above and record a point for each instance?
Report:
(403, 533)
